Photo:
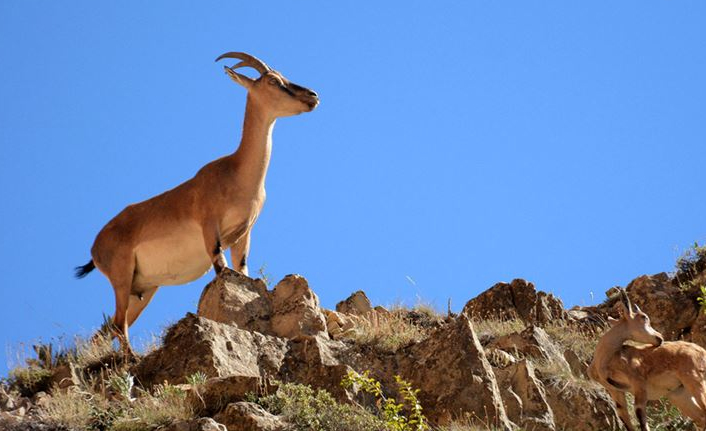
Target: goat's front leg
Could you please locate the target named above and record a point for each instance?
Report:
(239, 253)
(641, 408)
(212, 241)
(621, 403)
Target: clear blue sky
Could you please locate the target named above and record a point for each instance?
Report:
(457, 144)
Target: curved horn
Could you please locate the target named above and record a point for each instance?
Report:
(626, 300)
(247, 60)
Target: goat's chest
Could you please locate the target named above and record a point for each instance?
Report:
(238, 220)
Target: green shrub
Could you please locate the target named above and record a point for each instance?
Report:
(316, 410)
(30, 380)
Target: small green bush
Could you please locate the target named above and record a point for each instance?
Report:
(316, 410)
(30, 380)
(392, 412)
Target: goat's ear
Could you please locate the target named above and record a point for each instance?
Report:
(239, 78)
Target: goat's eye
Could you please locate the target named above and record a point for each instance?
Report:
(274, 81)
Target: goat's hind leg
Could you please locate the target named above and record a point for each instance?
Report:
(696, 388)
(686, 404)
(121, 278)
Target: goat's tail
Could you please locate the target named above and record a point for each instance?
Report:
(82, 271)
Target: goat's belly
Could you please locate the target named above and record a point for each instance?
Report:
(174, 259)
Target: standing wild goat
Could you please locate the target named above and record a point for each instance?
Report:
(175, 237)
(673, 369)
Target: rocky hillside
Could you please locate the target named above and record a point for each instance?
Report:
(252, 358)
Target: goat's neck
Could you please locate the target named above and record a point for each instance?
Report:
(253, 155)
(610, 343)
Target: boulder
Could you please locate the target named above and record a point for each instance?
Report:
(670, 309)
(515, 300)
(357, 304)
(295, 309)
(245, 416)
(237, 299)
(314, 361)
(218, 350)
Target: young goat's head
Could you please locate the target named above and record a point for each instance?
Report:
(635, 324)
(271, 90)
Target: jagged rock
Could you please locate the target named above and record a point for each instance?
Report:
(454, 376)
(237, 299)
(517, 299)
(533, 342)
(671, 311)
(245, 416)
(357, 304)
(201, 424)
(295, 309)
(578, 367)
(216, 349)
(581, 408)
(535, 413)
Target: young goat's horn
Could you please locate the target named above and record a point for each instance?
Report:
(626, 300)
(247, 61)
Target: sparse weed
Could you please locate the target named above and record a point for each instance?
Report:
(197, 379)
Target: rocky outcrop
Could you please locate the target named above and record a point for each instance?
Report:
(245, 338)
(434, 367)
(357, 304)
(216, 349)
(515, 300)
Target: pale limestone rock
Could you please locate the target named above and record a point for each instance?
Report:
(237, 299)
(295, 309)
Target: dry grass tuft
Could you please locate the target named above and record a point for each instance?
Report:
(494, 328)
(389, 333)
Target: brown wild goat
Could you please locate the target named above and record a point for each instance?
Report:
(176, 237)
(675, 369)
